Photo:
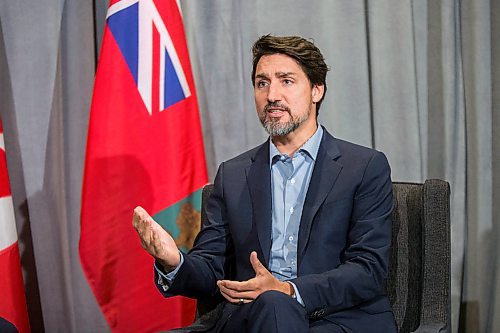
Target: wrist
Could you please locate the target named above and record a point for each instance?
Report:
(291, 290)
(169, 266)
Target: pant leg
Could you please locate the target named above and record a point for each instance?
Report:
(325, 326)
(273, 312)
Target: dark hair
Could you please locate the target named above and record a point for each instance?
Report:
(307, 55)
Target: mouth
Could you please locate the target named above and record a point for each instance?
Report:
(274, 111)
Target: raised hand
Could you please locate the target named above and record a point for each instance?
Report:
(155, 240)
(247, 291)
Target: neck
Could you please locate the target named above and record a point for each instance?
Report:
(290, 143)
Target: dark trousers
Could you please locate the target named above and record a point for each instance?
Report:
(273, 311)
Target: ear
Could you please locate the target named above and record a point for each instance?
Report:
(317, 93)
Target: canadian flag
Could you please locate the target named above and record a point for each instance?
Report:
(13, 309)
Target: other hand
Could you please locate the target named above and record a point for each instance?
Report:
(155, 240)
(247, 291)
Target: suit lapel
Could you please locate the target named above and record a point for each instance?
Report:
(259, 183)
(324, 175)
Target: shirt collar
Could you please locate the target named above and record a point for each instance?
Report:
(311, 146)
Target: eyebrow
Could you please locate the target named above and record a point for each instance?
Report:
(278, 75)
(285, 74)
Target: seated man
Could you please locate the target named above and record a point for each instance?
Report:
(302, 221)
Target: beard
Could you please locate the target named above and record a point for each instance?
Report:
(274, 126)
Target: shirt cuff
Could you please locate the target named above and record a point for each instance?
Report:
(297, 294)
(165, 279)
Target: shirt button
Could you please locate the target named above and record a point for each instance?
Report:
(291, 210)
(290, 238)
(292, 180)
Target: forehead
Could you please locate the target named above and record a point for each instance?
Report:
(273, 64)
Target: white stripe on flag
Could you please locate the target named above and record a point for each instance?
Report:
(8, 233)
(2, 143)
(120, 5)
(169, 45)
(145, 70)
(162, 73)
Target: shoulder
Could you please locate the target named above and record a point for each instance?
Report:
(234, 170)
(352, 155)
(346, 149)
(246, 158)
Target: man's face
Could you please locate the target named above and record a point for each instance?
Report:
(284, 96)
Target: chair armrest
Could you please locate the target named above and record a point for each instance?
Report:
(202, 323)
(432, 328)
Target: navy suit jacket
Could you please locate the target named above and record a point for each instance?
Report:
(344, 235)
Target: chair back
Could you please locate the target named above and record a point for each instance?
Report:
(419, 275)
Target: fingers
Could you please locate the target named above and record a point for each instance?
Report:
(141, 224)
(237, 286)
(155, 240)
(236, 296)
(141, 219)
(144, 223)
(256, 264)
(146, 228)
(236, 300)
(140, 213)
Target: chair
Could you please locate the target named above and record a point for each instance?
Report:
(419, 275)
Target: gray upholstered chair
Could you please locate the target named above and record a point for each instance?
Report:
(419, 277)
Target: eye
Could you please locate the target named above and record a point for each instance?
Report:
(261, 84)
(287, 81)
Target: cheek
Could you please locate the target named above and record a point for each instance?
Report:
(303, 101)
(260, 102)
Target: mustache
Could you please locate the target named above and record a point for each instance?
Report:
(276, 105)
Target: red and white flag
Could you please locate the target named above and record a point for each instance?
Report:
(13, 310)
(144, 147)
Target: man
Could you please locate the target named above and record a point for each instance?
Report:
(299, 228)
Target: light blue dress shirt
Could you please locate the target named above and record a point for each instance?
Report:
(290, 177)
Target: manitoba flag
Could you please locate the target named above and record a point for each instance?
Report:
(144, 148)
(13, 310)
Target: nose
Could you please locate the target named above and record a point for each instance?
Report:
(274, 92)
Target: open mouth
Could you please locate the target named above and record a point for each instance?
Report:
(276, 113)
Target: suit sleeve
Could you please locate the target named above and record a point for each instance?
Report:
(204, 265)
(364, 264)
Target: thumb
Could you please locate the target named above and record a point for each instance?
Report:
(256, 264)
